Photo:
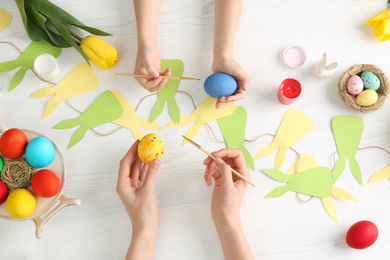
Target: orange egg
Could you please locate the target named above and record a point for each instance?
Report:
(13, 143)
(45, 183)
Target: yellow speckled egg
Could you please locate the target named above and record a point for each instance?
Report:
(367, 98)
(150, 147)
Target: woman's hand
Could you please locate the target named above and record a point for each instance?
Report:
(232, 68)
(148, 63)
(229, 190)
(135, 188)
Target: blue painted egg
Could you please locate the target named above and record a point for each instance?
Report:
(370, 80)
(220, 85)
(39, 152)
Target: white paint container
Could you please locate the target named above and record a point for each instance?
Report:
(46, 66)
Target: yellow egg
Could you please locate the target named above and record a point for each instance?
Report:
(367, 98)
(150, 148)
(21, 203)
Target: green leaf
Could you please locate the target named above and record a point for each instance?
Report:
(41, 20)
(52, 11)
(61, 28)
(33, 30)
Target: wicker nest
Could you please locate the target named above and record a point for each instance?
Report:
(350, 100)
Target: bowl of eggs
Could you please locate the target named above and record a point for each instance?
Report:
(40, 169)
(364, 87)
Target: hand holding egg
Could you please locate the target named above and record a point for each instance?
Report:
(150, 147)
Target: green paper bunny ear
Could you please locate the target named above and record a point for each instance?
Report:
(26, 60)
(233, 131)
(348, 132)
(168, 92)
(106, 108)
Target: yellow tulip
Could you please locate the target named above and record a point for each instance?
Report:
(99, 52)
(381, 24)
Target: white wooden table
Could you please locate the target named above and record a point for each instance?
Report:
(281, 228)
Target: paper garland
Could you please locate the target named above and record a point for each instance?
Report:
(233, 131)
(110, 106)
(348, 132)
(26, 60)
(79, 81)
(307, 162)
(169, 91)
(204, 113)
(106, 108)
(294, 126)
(130, 119)
(5, 19)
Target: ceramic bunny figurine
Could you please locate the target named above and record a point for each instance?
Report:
(324, 70)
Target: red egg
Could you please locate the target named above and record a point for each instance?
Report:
(362, 234)
(45, 183)
(3, 192)
(13, 143)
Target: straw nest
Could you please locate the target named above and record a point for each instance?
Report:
(350, 100)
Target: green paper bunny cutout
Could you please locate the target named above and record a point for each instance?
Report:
(168, 92)
(348, 132)
(26, 60)
(233, 131)
(106, 108)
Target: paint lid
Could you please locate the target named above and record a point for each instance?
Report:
(294, 56)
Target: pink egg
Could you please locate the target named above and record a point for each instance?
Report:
(355, 85)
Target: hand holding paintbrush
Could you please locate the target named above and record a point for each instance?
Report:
(226, 153)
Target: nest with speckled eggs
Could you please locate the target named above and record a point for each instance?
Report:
(350, 100)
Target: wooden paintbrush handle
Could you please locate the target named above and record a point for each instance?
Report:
(150, 76)
(234, 171)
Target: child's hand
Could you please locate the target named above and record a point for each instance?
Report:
(148, 63)
(231, 67)
(135, 188)
(229, 190)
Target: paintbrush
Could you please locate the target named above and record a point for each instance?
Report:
(209, 154)
(150, 76)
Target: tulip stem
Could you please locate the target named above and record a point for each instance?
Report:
(75, 36)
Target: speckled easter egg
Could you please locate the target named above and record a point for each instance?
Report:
(13, 143)
(3, 192)
(367, 98)
(39, 152)
(45, 183)
(150, 147)
(370, 80)
(220, 85)
(1, 164)
(21, 203)
(355, 85)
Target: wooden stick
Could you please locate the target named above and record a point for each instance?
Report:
(209, 154)
(150, 76)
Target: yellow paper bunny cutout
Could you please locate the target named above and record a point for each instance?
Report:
(204, 113)
(131, 120)
(5, 19)
(295, 125)
(79, 81)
